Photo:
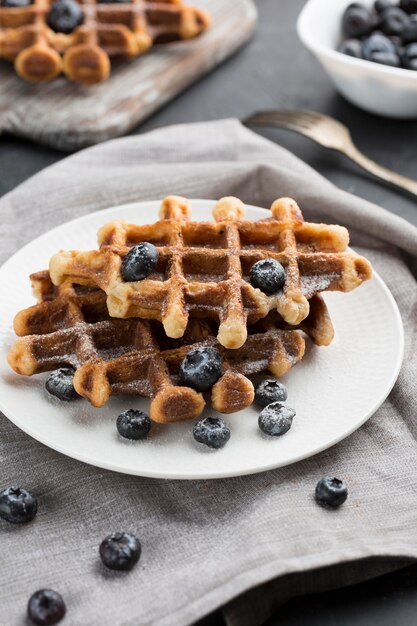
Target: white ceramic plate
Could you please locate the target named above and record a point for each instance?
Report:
(334, 390)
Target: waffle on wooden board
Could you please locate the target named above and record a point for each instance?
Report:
(42, 48)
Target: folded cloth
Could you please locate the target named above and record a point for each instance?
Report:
(207, 544)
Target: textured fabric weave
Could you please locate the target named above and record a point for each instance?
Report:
(210, 543)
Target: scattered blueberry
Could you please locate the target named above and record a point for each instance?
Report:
(139, 262)
(331, 492)
(64, 16)
(351, 47)
(17, 506)
(15, 4)
(381, 5)
(212, 431)
(376, 44)
(410, 56)
(120, 551)
(393, 21)
(46, 607)
(267, 275)
(201, 368)
(409, 6)
(133, 424)
(276, 419)
(357, 21)
(270, 390)
(60, 384)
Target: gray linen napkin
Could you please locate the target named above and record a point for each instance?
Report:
(207, 543)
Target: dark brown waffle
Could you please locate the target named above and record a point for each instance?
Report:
(204, 267)
(109, 30)
(71, 326)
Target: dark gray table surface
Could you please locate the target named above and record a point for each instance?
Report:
(273, 72)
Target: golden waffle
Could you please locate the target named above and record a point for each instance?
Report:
(108, 30)
(71, 326)
(203, 268)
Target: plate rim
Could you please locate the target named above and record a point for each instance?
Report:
(207, 475)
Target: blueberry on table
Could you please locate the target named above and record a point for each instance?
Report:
(394, 21)
(409, 6)
(267, 275)
(201, 368)
(17, 505)
(133, 424)
(270, 390)
(15, 4)
(377, 43)
(276, 419)
(331, 492)
(139, 262)
(120, 551)
(381, 5)
(357, 21)
(60, 384)
(46, 607)
(64, 16)
(351, 47)
(410, 56)
(212, 432)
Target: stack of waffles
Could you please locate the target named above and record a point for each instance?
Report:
(41, 51)
(131, 337)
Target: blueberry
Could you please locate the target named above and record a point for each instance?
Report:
(381, 5)
(46, 607)
(212, 431)
(17, 506)
(139, 262)
(60, 384)
(357, 21)
(276, 419)
(409, 6)
(201, 368)
(331, 492)
(351, 47)
(386, 58)
(15, 4)
(394, 21)
(270, 390)
(267, 275)
(410, 56)
(133, 424)
(120, 551)
(377, 43)
(410, 31)
(64, 16)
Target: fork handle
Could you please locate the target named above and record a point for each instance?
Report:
(403, 182)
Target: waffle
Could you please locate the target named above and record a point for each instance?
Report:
(108, 30)
(203, 268)
(70, 326)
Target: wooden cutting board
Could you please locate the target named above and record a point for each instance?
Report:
(70, 116)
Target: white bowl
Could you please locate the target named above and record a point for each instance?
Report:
(380, 89)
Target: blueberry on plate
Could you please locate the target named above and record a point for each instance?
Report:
(276, 419)
(133, 424)
(267, 275)
(64, 16)
(357, 21)
(394, 21)
(270, 390)
(377, 43)
(351, 47)
(331, 492)
(139, 262)
(410, 56)
(17, 505)
(381, 5)
(120, 551)
(212, 432)
(60, 384)
(201, 368)
(15, 4)
(409, 6)
(46, 607)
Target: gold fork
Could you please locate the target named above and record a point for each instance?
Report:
(330, 133)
